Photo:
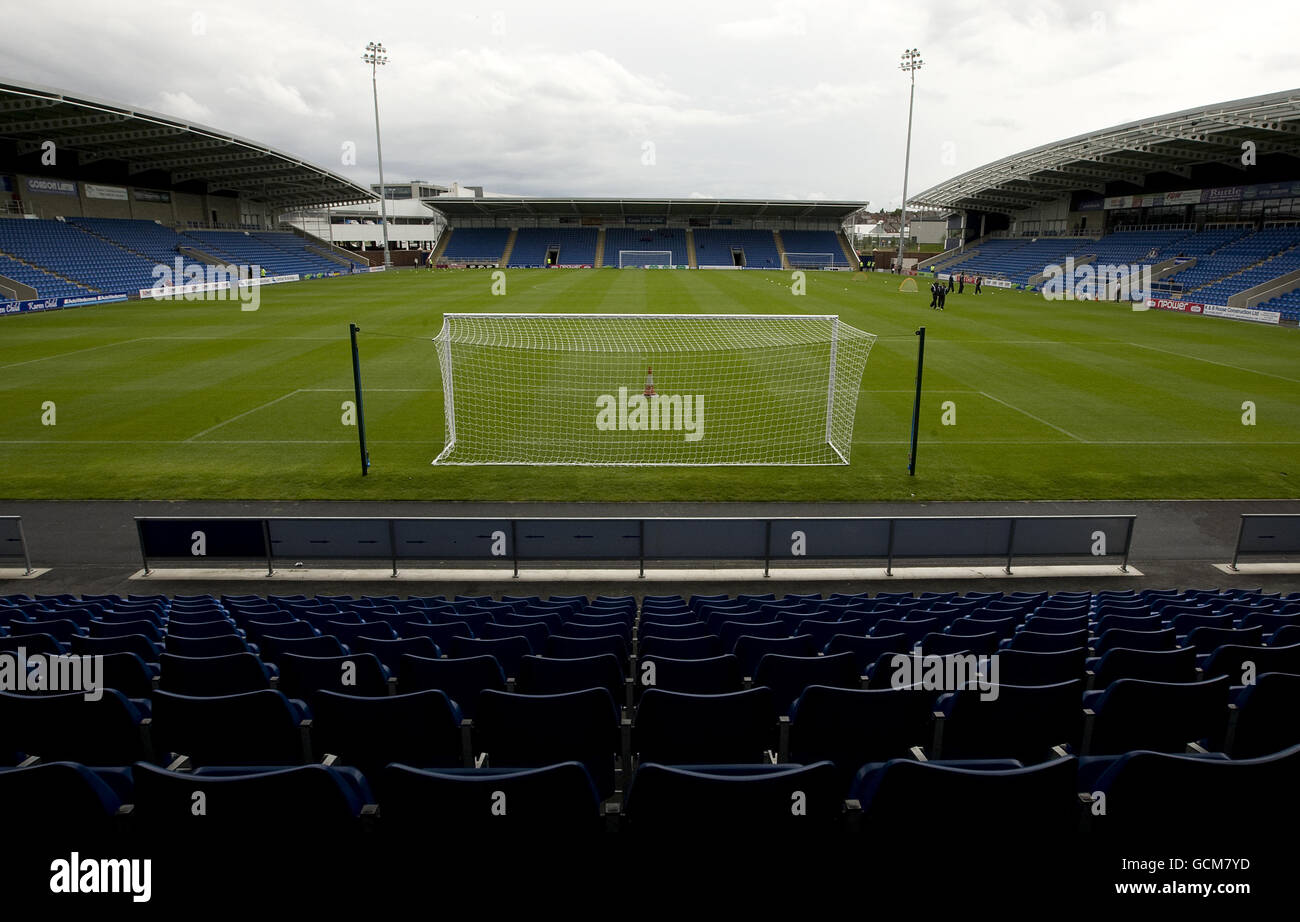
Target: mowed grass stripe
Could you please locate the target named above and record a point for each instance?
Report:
(1155, 397)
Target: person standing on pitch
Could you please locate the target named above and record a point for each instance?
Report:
(943, 296)
(934, 294)
(961, 283)
(979, 280)
(950, 283)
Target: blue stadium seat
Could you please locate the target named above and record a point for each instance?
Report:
(208, 676)
(851, 727)
(1193, 795)
(1021, 722)
(545, 675)
(763, 800)
(1033, 804)
(253, 728)
(352, 674)
(553, 799)
(417, 728)
(462, 679)
(677, 728)
(788, 676)
(531, 731)
(71, 727)
(1132, 714)
(307, 802)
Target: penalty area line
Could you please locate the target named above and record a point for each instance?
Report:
(1031, 416)
(269, 403)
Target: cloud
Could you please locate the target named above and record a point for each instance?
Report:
(183, 106)
(751, 100)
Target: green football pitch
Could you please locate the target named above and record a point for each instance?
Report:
(1023, 399)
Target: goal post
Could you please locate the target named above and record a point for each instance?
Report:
(810, 260)
(649, 389)
(645, 259)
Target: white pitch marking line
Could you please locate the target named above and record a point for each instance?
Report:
(60, 355)
(269, 403)
(1032, 416)
(1196, 358)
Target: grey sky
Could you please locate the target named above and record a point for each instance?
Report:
(746, 99)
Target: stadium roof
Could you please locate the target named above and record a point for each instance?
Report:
(466, 207)
(1173, 143)
(147, 141)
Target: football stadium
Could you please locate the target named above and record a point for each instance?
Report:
(384, 526)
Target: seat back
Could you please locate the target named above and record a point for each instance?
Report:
(253, 728)
(353, 674)
(1036, 803)
(207, 676)
(545, 675)
(757, 799)
(461, 678)
(1134, 714)
(555, 798)
(851, 727)
(530, 731)
(315, 802)
(788, 676)
(1020, 722)
(73, 728)
(677, 728)
(1162, 793)
(419, 728)
(1152, 665)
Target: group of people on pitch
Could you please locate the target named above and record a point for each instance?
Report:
(939, 291)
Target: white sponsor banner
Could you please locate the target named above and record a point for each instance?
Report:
(114, 193)
(1241, 313)
(200, 287)
(376, 268)
(996, 283)
(1183, 197)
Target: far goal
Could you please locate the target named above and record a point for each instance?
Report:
(650, 389)
(810, 260)
(645, 259)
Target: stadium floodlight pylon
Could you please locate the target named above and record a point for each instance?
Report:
(809, 260)
(646, 259)
(650, 389)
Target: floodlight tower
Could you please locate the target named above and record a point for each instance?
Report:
(910, 64)
(376, 55)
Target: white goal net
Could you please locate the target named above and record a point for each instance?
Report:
(649, 389)
(810, 260)
(645, 259)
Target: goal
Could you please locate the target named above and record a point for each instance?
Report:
(810, 260)
(650, 389)
(645, 259)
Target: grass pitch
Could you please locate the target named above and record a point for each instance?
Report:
(198, 400)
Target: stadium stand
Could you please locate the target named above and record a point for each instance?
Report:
(81, 256)
(61, 248)
(576, 246)
(47, 285)
(749, 249)
(827, 242)
(672, 239)
(1091, 686)
(244, 248)
(476, 244)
